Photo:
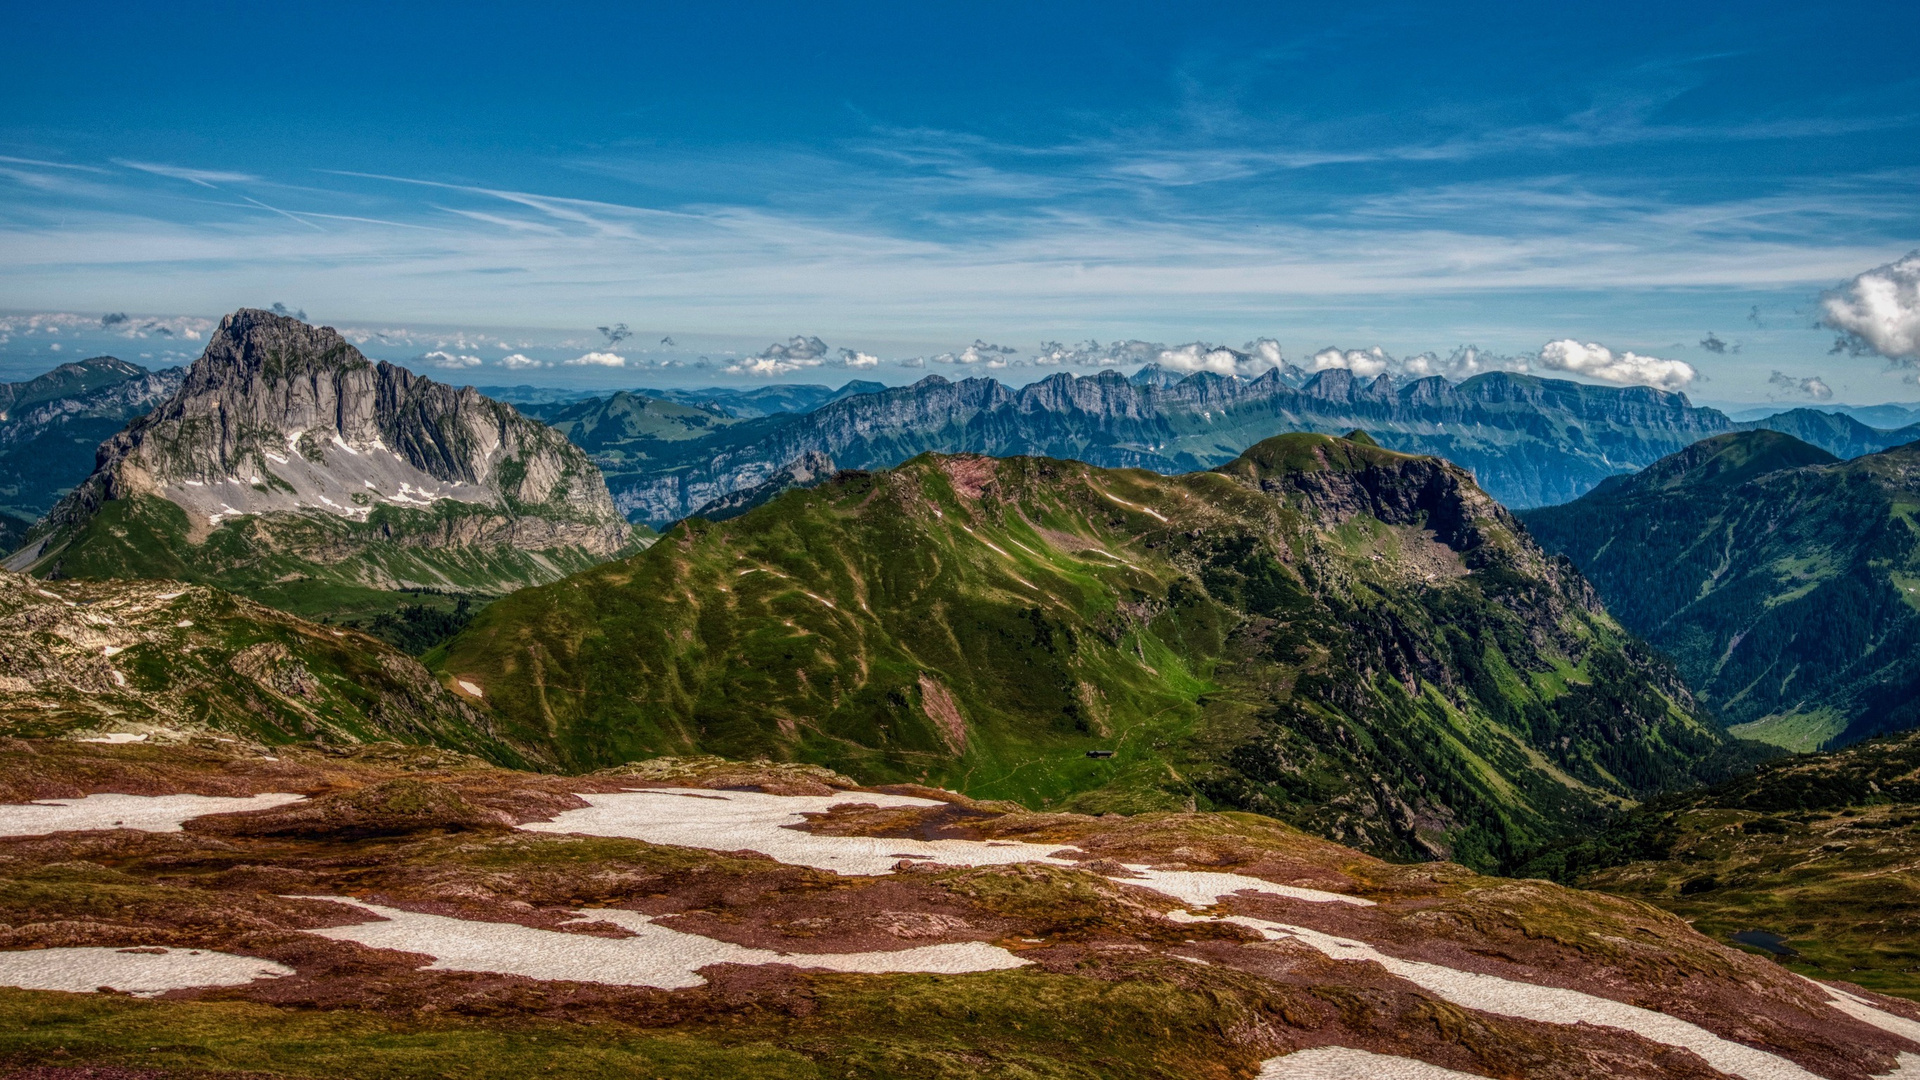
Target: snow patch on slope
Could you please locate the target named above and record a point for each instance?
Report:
(655, 956)
(1544, 1004)
(1341, 1063)
(147, 813)
(754, 821)
(143, 972)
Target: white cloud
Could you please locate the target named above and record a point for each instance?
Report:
(1365, 363)
(1879, 311)
(520, 362)
(768, 367)
(853, 358)
(598, 359)
(1265, 349)
(796, 348)
(1200, 356)
(1093, 354)
(203, 177)
(1621, 369)
(453, 361)
(1462, 363)
(980, 352)
(1813, 387)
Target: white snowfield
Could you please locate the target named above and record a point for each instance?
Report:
(147, 813)
(1545, 1004)
(1859, 1009)
(1341, 1063)
(753, 821)
(141, 972)
(367, 468)
(656, 956)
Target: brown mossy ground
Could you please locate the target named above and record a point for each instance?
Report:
(1112, 987)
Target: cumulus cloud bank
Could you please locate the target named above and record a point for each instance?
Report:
(980, 352)
(1813, 387)
(782, 358)
(598, 359)
(1462, 363)
(1365, 363)
(440, 358)
(1621, 369)
(766, 367)
(1250, 359)
(1878, 311)
(854, 358)
(1094, 354)
(520, 362)
(1199, 356)
(796, 348)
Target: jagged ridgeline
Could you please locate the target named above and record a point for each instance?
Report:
(1785, 584)
(290, 468)
(1355, 640)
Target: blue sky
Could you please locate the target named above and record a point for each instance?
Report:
(900, 181)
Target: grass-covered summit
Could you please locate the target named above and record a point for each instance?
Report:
(1784, 583)
(1353, 639)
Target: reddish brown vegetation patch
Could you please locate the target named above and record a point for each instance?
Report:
(430, 836)
(944, 711)
(970, 474)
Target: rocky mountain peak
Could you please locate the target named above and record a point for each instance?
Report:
(278, 416)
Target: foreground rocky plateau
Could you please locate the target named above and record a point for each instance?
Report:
(213, 911)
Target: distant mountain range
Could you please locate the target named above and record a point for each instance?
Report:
(289, 467)
(1529, 441)
(1785, 583)
(668, 454)
(1355, 640)
(1889, 416)
(50, 425)
(1836, 433)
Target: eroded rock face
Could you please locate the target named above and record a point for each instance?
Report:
(278, 416)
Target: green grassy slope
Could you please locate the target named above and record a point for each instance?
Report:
(1785, 584)
(171, 660)
(312, 565)
(1352, 639)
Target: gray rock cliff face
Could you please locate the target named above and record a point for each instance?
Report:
(278, 416)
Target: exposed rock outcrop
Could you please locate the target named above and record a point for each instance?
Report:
(277, 415)
(287, 423)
